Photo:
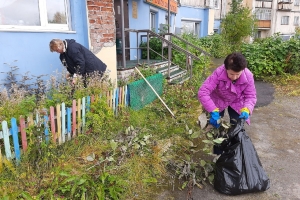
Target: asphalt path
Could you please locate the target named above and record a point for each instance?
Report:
(275, 133)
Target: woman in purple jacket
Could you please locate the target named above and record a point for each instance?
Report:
(230, 86)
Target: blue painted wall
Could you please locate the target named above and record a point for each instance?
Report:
(143, 22)
(217, 24)
(30, 50)
(194, 13)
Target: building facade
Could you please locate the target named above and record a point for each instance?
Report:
(185, 16)
(277, 16)
(27, 27)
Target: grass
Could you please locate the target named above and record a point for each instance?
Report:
(286, 84)
(129, 155)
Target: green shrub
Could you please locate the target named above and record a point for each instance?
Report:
(272, 56)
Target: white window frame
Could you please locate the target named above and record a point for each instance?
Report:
(296, 20)
(152, 20)
(263, 14)
(296, 2)
(45, 26)
(216, 4)
(285, 20)
(197, 24)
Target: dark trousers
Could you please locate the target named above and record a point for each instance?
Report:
(234, 116)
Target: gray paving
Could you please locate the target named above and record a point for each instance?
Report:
(275, 133)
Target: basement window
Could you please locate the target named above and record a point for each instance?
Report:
(31, 15)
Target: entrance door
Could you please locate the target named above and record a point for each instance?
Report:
(118, 22)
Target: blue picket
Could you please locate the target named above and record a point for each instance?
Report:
(14, 132)
(128, 95)
(66, 122)
(46, 119)
(69, 110)
(88, 104)
(117, 101)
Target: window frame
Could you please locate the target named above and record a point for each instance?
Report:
(257, 34)
(196, 26)
(45, 25)
(216, 4)
(153, 14)
(296, 20)
(285, 20)
(152, 20)
(263, 14)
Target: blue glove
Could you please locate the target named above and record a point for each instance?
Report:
(244, 113)
(214, 118)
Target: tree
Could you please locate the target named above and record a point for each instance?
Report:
(237, 25)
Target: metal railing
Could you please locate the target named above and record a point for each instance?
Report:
(165, 43)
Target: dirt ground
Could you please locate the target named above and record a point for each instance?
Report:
(275, 133)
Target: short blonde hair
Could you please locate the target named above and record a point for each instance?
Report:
(56, 44)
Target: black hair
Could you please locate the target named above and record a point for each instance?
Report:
(235, 62)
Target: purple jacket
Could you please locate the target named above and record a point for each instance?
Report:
(218, 91)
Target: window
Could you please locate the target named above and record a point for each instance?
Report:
(257, 34)
(190, 27)
(263, 14)
(285, 20)
(296, 2)
(152, 20)
(216, 4)
(34, 15)
(166, 19)
(296, 21)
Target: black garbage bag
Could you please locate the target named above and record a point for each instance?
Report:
(238, 169)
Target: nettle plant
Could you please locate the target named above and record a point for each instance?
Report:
(20, 95)
(60, 89)
(272, 56)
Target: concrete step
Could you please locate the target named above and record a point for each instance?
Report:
(176, 74)
(179, 80)
(164, 70)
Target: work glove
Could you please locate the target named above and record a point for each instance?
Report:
(244, 113)
(215, 118)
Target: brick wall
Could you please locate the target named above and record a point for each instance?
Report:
(101, 18)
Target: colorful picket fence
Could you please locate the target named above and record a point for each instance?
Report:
(64, 123)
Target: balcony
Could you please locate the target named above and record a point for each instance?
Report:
(285, 1)
(263, 4)
(285, 6)
(264, 24)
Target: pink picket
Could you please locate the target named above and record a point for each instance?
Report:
(23, 133)
(74, 118)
